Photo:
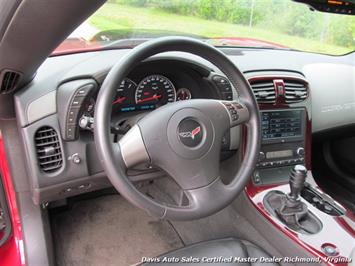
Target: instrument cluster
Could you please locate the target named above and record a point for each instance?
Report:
(150, 93)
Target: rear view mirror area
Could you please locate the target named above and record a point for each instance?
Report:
(331, 6)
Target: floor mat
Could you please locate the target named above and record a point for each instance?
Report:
(109, 231)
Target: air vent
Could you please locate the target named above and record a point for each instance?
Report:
(295, 91)
(9, 81)
(264, 91)
(49, 152)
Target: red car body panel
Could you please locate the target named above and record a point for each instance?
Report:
(246, 42)
(12, 252)
(75, 45)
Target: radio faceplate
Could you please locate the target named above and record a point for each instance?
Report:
(283, 143)
(283, 125)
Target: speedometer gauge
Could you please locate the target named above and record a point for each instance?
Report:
(155, 89)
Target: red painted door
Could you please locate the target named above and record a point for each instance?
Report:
(11, 249)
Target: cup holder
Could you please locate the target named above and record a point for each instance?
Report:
(320, 201)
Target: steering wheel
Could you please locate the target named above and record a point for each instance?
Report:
(182, 138)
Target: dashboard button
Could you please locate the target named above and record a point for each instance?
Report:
(75, 158)
(84, 90)
(70, 131)
(68, 190)
(257, 178)
(300, 151)
(84, 186)
(72, 116)
(71, 120)
(77, 101)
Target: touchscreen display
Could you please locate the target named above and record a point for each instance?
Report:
(281, 124)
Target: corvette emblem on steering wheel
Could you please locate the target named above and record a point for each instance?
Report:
(190, 132)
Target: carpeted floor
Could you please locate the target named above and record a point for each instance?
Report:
(109, 231)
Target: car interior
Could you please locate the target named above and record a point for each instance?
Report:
(169, 150)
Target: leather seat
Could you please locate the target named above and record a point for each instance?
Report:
(231, 250)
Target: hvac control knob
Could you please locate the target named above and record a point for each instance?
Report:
(300, 151)
(261, 156)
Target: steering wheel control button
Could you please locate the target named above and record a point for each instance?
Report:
(237, 113)
(232, 109)
(222, 83)
(227, 96)
(190, 132)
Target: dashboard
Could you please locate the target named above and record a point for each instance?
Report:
(149, 92)
(149, 86)
(56, 111)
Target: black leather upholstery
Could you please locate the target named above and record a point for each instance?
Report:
(237, 252)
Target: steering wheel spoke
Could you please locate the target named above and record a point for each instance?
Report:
(132, 148)
(204, 200)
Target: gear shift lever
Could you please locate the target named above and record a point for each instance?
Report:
(297, 178)
(289, 208)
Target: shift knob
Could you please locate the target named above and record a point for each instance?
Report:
(297, 178)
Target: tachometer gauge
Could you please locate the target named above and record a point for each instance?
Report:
(124, 90)
(155, 89)
(183, 94)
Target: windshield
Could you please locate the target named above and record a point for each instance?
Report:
(269, 24)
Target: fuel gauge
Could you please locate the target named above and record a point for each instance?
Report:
(183, 94)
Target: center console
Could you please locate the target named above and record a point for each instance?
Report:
(282, 188)
(283, 144)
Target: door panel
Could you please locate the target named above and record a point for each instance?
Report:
(333, 163)
(11, 242)
(5, 222)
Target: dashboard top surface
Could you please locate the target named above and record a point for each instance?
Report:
(253, 62)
